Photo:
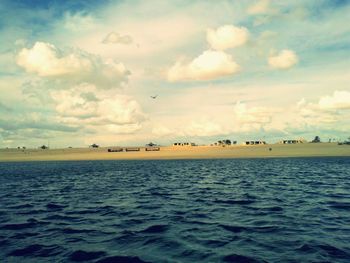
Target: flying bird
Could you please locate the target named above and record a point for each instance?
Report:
(153, 97)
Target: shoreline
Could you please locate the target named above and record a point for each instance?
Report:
(179, 152)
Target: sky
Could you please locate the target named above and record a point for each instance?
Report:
(73, 73)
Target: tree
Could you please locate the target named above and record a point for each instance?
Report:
(316, 140)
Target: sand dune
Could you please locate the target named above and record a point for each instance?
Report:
(197, 152)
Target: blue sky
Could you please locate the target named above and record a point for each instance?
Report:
(79, 72)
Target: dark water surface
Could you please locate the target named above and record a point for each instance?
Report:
(257, 210)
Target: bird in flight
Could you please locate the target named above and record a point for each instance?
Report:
(153, 97)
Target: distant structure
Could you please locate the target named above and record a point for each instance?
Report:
(152, 148)
(254, 143)
(184, 144)
(292, 141)
(224, 143)
(115, 149)
(346, 142)
(94, 145)
(132, 149)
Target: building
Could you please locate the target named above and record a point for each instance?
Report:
(223, 143)
(184, 144)
(254, 143)
(292, 141)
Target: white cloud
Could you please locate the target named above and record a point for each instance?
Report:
(284, 60)
(245, 120)
(209, 65)
(340, 100)
(162, 131)
(43, 59)
(46, 60)
(227, 36)
(204, 128)
(158, 38)
(115, 38)
(328, 110)
(253, 115)
(87, 106)
(260, 7)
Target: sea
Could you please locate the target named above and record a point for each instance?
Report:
(222, 210)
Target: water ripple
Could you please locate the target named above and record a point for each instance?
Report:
(256, 210)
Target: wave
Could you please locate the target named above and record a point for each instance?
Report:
(81, 255)
(235, 258)
(36, 250)
(121, 259)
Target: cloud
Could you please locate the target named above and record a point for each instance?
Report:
(284, 60)
(115, 38)
(78, 21)
(4, 108)
(28, 126)
(227, 36)
(328, 110)
(260, 7)
(253, 115)
(162, 131)
(47, 61)
(340, 100)
(204, 128)
(34, 122)
(89, 107)
(43, 59)
(209, 65)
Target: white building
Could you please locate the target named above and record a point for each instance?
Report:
(184, 144)
(292, 141)
(254, 143)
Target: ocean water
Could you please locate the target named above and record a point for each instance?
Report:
(249, 210)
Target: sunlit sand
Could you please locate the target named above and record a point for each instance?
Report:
(171, 152)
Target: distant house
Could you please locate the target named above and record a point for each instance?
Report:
(254, 143)
(132, 149)
(224, 143)
(152, 149)
(184, 144)
(292, 141)
(115, 149)
(94, 145)
(346, 142)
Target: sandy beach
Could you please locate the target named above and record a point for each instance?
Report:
(171, 152)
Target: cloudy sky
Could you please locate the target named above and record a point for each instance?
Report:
(80, 72)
